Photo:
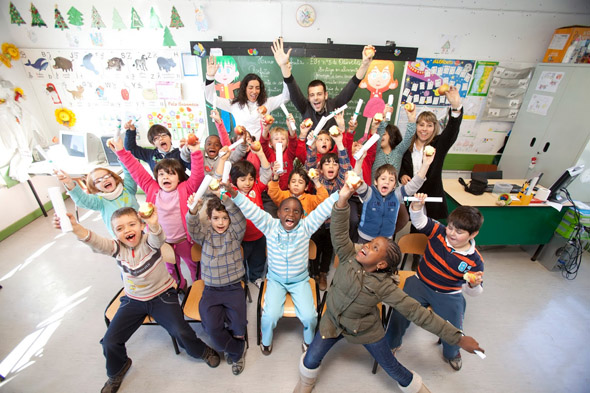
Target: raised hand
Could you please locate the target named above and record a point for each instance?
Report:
(212, 66)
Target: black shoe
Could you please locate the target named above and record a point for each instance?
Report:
(238, 367)
(113, 383)
(266, 350)
(211, 357)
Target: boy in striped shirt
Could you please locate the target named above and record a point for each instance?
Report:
(450, 266)
(287, 239)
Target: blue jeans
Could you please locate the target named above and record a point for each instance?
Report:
(129, 317)
(379, 350)
(450, 307)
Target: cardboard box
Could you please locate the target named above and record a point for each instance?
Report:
(565, 42)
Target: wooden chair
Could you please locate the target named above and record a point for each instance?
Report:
(484, 168)
(167, 256)
(412, 243)
(289, 307)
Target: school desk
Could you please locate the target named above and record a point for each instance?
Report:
(533, 224)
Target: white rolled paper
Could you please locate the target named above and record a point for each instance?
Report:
(279, 151)
(60, 208)
(286, 112)
(226, 170)
(338, 110)
(390, 103)
(427, 199)
(357, 110)
(201, 191)
(215, 102)
(319, 127)
(118, 133)
(232, 146)
(366, 146)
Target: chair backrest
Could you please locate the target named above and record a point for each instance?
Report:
(413, 243)
(196, 252)
(403, 275)
(484, 168)
(168, 255)
(313, 250)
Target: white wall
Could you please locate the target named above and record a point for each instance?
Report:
(509, 31)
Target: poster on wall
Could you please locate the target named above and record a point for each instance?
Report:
(425, 76)
(482, 76)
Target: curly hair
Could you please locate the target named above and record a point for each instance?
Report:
(242, 98)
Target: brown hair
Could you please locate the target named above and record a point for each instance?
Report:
(171, 166)
(395, 136)
(157, 129)
(90, 181)
(385, 168)
(467, 218)
(430, 118)
(124, 211)
(215, 204)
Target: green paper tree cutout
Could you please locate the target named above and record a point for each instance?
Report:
(135, 20)
(117, 21)
(175, 19)
(15, 17)
(155, 20)
(75, 17)
(37, 20)
(60, 23)
(96, 19)
(168, 40)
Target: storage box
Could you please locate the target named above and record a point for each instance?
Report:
(569, 221)
(565, 42)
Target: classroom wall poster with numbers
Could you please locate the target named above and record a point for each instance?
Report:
(103, 87)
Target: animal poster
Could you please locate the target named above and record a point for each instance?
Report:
(424, 77)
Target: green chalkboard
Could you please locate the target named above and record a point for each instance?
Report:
(335, 73)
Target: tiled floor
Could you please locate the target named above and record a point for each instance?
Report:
(534, 325)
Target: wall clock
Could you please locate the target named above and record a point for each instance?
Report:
(305, 15)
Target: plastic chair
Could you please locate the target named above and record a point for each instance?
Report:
(109, 313)
(289, 307)
(412, 243)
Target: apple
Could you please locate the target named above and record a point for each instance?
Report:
(410, 107)
(313, 173)
(240, 130)
(353, 180)
(429, 150)
(255, 146)
(191, 139)
(470, 277)
(369, 51)
(262, 110)
(442, 90)
(307, 123)
(146, 209)
(268, 119)
(214, 185)
(334, 131)
(378, 118)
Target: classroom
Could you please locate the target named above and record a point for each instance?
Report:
(76, 74)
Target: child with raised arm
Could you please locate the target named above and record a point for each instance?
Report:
(244, 179)
(288, 254)
(169, 192)
(362, 280)
(160, 138)
(223, 305)
(107, 192)
(383, 199)
(149, 290)
(450, 266)
(298, 183)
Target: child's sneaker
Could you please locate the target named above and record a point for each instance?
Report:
(227, 359)
(266, 350)
(456, 362)
(113, 383)
(238, 367)
(304, 347)
(211, 357)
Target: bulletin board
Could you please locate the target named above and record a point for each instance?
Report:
(106, 87)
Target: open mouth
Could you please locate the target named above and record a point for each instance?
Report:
(166, 183)
(130, 238)
(164, 146)
(107, 185)
(317, 106)
(212, 152)
(289, 222)
(384, 190)
(362, 252)
(331, 174)
(253, 97)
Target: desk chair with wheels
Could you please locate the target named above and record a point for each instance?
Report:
(289, 307)
(167, 256)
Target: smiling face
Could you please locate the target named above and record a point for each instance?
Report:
(212, 146)
(385, 183)
(162, 142)
(317, 97)
(219, 221)
(245, 183)
(459, 239)
(167, 181)
(424, 131)
(103, 180)
(379, 79)
(323, 143)
(226, 74)
(128, 228)
(290, 213)
(372, 255)
(330, 169)
(252, 90)
(297, 185)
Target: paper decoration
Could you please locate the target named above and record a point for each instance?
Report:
(37, 20)
(15, 17)
(155, 20)
(9, 53)
(60, 23)
(201, 19)
(65, 117)
(168, 39)
(96, 19)
(117, 21)
(75, 17)
(135, 20)
(175, 19)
